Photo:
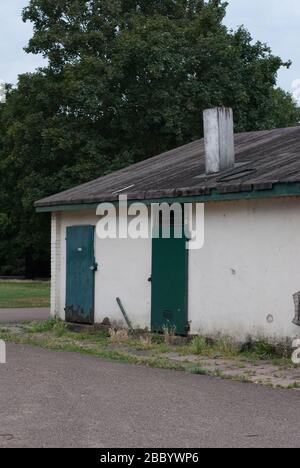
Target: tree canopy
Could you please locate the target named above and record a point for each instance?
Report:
(125, 80)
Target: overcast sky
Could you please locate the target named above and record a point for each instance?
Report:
(273, 21)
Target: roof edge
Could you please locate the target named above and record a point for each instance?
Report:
(222, 194)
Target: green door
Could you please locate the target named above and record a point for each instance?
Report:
(169, 284)
(80, 285)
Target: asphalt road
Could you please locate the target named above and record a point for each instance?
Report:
(52, 399)
(23, 315)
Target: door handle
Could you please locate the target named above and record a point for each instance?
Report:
(150, 279)
(94, 267)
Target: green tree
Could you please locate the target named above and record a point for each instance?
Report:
(125, 80)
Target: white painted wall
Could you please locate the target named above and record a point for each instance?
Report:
(124, 269)
(249, 268)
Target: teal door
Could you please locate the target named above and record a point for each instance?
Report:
(169, 284)
(80, 285)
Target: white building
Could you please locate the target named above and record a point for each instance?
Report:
(243, 281)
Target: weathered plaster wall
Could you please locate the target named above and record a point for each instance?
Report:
(124, 269)
(248, 270)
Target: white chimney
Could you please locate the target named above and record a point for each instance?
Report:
(218, 139)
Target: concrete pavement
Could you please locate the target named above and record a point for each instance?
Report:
(52, 399)
(23, 315)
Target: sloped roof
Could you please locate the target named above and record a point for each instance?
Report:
(263, 159)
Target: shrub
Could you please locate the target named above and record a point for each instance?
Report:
(198, 345)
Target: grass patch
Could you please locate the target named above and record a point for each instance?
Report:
(220, 358)
(55, 335)
(23, 294)
(261, 350)
(199, 371)
(225, 348)
(198, 346)
(201, 346)
(236, 378)
(294, 386)
(58, 327)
